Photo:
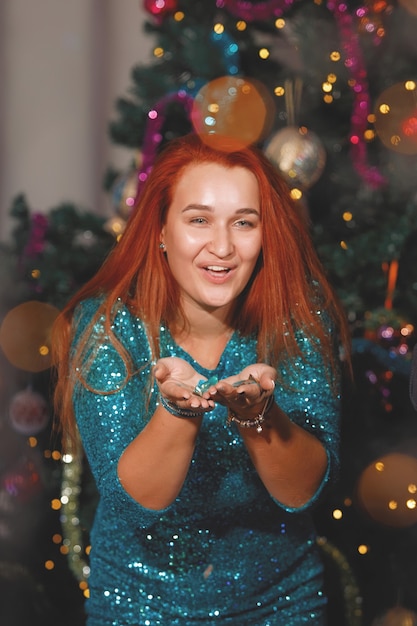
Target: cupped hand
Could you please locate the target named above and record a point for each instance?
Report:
(177, 379)
(247, 391)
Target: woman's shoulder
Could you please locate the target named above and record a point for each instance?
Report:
(94, 310)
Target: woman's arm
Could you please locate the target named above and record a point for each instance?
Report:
(290, 461)
(289, 458)
(154, 466)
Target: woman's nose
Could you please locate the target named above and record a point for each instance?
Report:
(221, 243)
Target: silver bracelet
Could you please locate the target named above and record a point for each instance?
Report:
(174, 409)
(254, 422)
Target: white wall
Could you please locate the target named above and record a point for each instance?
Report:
(63, 64)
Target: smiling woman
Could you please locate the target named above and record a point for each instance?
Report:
(200, 366)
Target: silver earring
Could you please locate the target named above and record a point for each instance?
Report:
(162, 246)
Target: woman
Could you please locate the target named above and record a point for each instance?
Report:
(203, 380)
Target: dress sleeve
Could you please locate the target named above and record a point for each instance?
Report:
(313, 401)
(110, 408)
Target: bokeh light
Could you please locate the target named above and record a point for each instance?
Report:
(396, 117)
(409, 5)
(386, 490)
(25, 335)
(230, 113)
(397, 616)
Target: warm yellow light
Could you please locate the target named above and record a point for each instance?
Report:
(347, 216)
(279, 90)
(327, 87)
(379, 466)
(393, 505)
(35, 273)
(279, 23)
(343, 245)
(411, 504)
(384, 109)
(179, 16)
(158, 52)
(241, 25)
(296, 194)
(332, 78)
(264, 53)
(335, 55)
(337, 514)
(49, 565)
(33, 442)
(410, 85)
(56, 504)
(218, 29)
(328, 99)
(363, 549)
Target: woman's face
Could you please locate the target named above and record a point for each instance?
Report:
(212, 234)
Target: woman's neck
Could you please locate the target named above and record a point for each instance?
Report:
(205, 336)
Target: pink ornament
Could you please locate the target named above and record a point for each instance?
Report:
(23, 481)
(28, 412)
(160, 8)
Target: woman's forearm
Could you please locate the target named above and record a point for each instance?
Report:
(153, 467)
(290, 461)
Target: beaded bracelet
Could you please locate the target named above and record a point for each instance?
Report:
(254, 422)
(174, 409)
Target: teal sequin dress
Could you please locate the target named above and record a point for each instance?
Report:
(225, 552)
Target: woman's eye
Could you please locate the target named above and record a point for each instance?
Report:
(244, 223)
(198, 220)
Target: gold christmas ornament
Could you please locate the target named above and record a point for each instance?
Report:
(398, 616)
(299, 155)
(25, 335)
(396, 117)
(387, 490)
(230, 113)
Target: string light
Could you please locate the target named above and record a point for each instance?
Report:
(264, 53)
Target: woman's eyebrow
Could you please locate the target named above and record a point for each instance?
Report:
(205, 207)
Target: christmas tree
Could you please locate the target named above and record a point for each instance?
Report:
(327, 90)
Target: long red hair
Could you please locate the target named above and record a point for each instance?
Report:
(281, 297)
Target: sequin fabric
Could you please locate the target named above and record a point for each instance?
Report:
(225, 552)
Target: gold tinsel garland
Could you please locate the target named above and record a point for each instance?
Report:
(73, 539)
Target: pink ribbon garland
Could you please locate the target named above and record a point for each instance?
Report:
(260, 11)
(153, 137)
(361, 106)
